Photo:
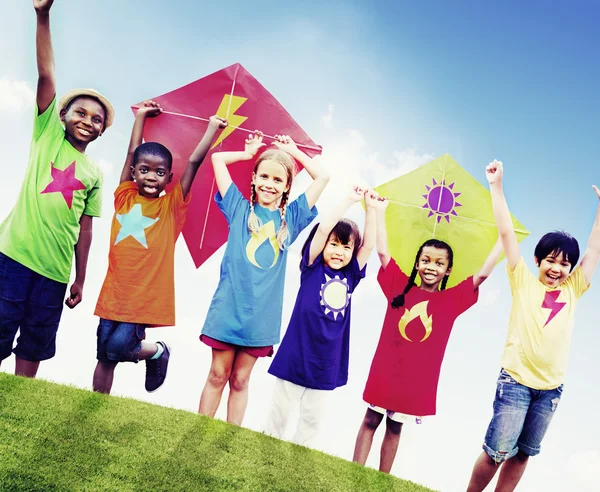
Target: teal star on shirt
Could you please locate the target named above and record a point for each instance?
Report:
(134, 224)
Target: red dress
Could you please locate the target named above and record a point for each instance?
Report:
(406, 367)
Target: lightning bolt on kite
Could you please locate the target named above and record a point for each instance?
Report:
(234, 94)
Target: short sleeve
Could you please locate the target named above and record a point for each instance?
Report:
(124, 193)
(304, 266)
(93, 201)
(48, 121)
(298, 216)
(464, 295)
(577, 282)
(517, 276)
(392, 280)
(357, 273)
(179, 205)
(230, 203)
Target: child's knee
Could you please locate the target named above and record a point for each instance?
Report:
(393, 427)
(218, 377)
(372, 419)
(238, 383)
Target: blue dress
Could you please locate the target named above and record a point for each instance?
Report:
(246, 308)
(315, 348)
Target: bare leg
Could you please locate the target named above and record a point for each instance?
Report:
(511, 472)
(364, 440)
(103, 376)
(148, 350)
(238, 387)
(484, 470)
(27, 368)
(389, 446)
(220, 371)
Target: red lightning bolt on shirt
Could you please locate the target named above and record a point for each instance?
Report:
(550, 302)
(64, 182)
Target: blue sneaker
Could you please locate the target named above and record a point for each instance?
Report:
(156, 369)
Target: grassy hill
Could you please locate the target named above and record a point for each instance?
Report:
(59, 438)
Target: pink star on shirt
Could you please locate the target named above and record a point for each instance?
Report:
(64, 182)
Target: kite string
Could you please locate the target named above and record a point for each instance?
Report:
(236, 128)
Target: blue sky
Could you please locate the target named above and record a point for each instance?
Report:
(383, 86)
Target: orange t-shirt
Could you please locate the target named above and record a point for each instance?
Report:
(139, 286)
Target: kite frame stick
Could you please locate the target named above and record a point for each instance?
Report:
(212, 186)
(457, 217)
(236, 127)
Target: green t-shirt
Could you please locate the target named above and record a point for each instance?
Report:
(60, 185)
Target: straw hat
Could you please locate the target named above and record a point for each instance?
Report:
(72, 94)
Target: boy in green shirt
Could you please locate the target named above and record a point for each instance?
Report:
(53, 214)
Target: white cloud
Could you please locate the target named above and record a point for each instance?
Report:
(15, 95)
(585, 466)
(106, 166)
(327, 119)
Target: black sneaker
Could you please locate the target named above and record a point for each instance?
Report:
(156, 369)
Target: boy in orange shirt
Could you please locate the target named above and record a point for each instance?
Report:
(138, 290)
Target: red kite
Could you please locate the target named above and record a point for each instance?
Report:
(230, 93)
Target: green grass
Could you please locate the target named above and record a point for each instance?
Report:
(59, 438)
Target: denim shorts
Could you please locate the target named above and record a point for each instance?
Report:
(521, 418)
(119, 341)
(33, 304)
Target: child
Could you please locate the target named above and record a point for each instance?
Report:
(403, 379)
(139, 289)
(313, 356)
(535, 356)
(53, 214)
(244, 318)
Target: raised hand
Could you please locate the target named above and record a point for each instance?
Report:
(150, 109)
(217, 122)
(42, 6)
(494, 172)
(596, 190)
(254, 142)
(285, 143)
(371, 198)
(357, 193)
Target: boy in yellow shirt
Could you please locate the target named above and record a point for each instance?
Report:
(537, 345)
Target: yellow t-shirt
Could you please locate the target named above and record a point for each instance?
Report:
(540, 327)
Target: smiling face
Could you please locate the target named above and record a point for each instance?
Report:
(151, 174)
(270, 181)
(84, 120)
(432, 266)
(337, 255)
(553, 270)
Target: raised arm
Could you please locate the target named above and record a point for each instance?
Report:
(371, 201)
(589, 262)
(313, 167)
(328, 223)
(510, 244)
(381, 235)
(490, 262)
(221, 160)
(214, 125)
(46, 86)
(148, 109)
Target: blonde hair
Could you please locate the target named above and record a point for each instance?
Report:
(288, 163)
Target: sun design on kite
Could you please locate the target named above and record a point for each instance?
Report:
(441, 200)
(334, 295)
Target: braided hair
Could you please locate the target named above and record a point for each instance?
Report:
(435, 243)
(288, 163)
